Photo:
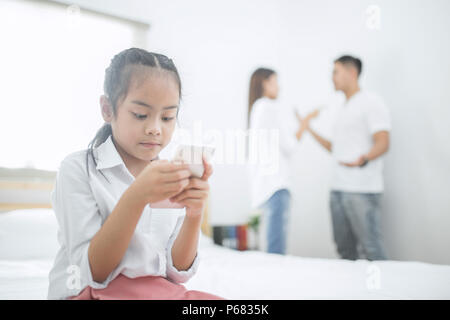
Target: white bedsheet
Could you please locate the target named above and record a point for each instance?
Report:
(257, 275)
(24, 279)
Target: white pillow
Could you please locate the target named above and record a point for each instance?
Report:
(32, 234)
(28, 234)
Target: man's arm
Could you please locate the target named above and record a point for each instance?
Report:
(380, 147)
(305, 126)
(300, 132)
(324, 142)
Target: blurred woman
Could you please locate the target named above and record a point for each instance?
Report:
(271, 188)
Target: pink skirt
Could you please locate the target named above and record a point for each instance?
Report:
(143, 288)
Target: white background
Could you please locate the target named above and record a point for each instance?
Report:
(217, 44)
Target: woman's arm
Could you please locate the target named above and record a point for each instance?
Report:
(300, 131)
(305, 126)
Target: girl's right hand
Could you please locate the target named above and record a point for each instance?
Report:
(160, 180)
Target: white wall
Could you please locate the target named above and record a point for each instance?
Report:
(216, 46)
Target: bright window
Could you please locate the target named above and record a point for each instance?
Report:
(52, 63)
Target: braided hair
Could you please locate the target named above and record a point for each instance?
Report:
(117, 80)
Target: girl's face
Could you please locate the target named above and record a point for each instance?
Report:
(146, 115)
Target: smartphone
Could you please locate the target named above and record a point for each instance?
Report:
(191, 155)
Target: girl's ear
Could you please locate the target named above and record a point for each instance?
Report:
(106, 109)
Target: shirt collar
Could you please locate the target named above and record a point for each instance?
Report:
(355, 95)
(108, 156)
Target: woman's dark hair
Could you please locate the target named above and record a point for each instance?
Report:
(256, 87)
(117, 81)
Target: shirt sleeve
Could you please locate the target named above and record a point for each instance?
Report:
(78, 219)
(288, 140)
(271, 117)
(173, 274)
(378, 116)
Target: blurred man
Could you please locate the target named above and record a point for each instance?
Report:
(360, 137)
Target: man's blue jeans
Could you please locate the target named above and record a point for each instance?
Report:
(356, 220)
(276, 214)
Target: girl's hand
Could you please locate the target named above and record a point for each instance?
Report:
(160, 180)
(196, 193)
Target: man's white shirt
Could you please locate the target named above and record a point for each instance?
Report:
(356, 121)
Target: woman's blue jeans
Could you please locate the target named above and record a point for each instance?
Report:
(276, 215)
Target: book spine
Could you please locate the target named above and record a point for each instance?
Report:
(232, 236)
(239, 237)
(243, 237)
(218, 235)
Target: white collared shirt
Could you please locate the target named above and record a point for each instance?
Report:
(268, 176)
(352, 136)
(82, 204)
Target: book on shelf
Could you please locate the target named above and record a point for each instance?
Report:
(231, 236)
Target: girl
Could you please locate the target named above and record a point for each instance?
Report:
(113, 245)
(270, 192)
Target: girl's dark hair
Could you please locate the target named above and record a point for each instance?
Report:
(117, 80)
(256, 87)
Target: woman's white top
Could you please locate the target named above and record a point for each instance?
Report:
(82, 204)
(272, 142)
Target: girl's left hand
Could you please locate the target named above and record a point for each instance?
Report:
(196, 193)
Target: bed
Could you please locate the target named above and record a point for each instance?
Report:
(28, 246)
